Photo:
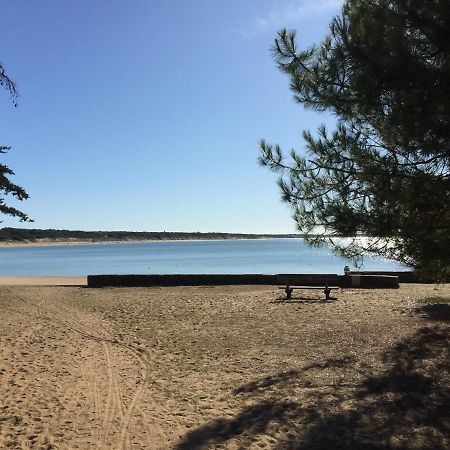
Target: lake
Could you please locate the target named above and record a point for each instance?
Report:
(265, 256)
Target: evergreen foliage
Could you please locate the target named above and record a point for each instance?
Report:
(384, 172)
(6, 186)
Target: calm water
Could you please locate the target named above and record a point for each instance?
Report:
(247, 256)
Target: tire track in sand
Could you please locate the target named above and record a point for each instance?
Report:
(125, 423)
(114, 401)
(145, 360)
(92, 394)
(109, 405)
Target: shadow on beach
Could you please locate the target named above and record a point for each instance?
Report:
(295, 300)
(403, 405)
(436, 309)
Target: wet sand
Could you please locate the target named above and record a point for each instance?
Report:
(224, 367)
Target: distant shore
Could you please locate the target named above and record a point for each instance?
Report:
(70, 242)
(22, 237)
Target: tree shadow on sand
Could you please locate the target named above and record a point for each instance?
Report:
(436, 309)
(285, 378)
(406, 405)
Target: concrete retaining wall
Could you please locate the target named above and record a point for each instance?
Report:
(404, 277)
(179, 280)
(370, 281)
(314, 279)
(360, 281)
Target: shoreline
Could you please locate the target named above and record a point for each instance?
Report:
(50, 243)
(43, 280)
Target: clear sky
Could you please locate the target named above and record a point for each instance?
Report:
(146, 114)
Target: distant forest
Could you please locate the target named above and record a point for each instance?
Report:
(35, 235)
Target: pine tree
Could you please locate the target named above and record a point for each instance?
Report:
(384, 171)
(7, 187)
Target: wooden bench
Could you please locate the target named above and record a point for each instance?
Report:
(326, 282)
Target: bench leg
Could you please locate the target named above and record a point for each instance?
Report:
(327, 291)
(288, 291)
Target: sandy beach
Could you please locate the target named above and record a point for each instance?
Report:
(224, 367)
(70, 242)
(43, 281)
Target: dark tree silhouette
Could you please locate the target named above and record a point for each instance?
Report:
(384, 172)
(7, 187)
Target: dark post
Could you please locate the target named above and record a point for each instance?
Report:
(288, 291)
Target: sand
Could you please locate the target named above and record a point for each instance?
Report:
(53, 242)
(72, 242)
(224, 367)
(43, 281)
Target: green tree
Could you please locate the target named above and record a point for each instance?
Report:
(7, 187)
(383, 172)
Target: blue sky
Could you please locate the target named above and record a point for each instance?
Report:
(146, 115)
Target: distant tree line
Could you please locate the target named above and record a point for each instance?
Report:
(33, 235)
